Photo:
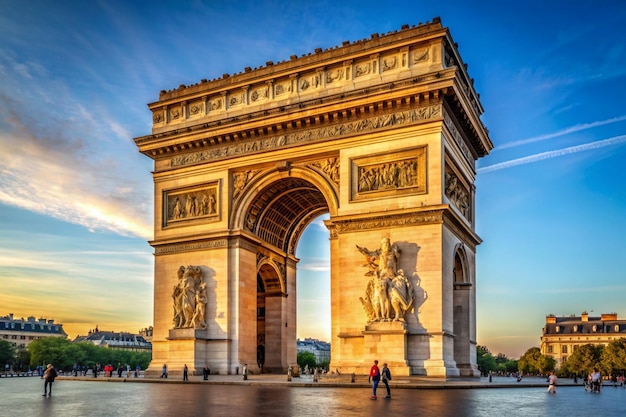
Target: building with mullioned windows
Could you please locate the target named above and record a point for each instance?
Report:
(562, 335)
(21, 332)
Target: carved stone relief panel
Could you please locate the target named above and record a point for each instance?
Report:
(389, 62)
(363, 68)
(196, 108)
(216, 103)
(176, 112)
(259, 93)
(282, 88)
(421, 55)
(241, 181)
(458, 192)
(198, 203)
(335, 75)
(383, 175)
(330, 168)
(309, 81)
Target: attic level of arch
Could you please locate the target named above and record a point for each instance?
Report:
(195, 139)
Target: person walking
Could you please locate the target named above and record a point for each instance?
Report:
(48, 378)
(185, 373)
(552, 383)
(375, 378)
(386, 375)
(164, 374)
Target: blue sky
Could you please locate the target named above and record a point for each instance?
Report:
(76, 195)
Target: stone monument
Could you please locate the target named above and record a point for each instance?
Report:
(383, 135)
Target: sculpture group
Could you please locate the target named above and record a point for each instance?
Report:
(389, 294)
(190, 297)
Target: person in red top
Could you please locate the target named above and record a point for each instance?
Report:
(375, 378)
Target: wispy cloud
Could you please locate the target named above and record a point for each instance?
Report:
(69, 163)
(573, 129)
(617, 140)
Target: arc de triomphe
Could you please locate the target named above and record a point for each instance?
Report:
(383, 135)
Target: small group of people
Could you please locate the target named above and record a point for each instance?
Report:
(376, 374)
(593, 382)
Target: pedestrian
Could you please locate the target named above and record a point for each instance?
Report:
(48, 378)
(205, 372)
(245, 371)
(552, 383)
(164, 374)
(386, 374)
(375, 378)
(185, 373)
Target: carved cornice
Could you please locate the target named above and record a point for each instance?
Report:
(461, 228)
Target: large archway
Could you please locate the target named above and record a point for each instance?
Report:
(381, 134)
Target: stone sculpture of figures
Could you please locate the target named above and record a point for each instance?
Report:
(190, 298)
(389, 294)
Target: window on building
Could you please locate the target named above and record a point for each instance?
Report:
(23, 337)
(617, 328)
(14, 336)
(575, 329)
(550, 350)
(564, 349)
(558, 329)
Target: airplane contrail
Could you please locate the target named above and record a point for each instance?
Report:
(553, 154)
(576, 128)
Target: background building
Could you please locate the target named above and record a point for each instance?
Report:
(22, 332)
(116, 340)
(320, 349)
(562, 335)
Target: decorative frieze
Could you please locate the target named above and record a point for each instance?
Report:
(383, 222)
(190, 246)
(385, 121)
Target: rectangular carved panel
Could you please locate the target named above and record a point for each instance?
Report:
(389, 174)
(191, 204)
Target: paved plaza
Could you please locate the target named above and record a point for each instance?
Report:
(273, 395)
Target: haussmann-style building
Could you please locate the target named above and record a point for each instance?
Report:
(562, 335)
(21, 332)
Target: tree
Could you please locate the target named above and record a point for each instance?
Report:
(306, 358)
(583, 360)
(485, 360)
(7, 353)
(613, 356)
(533, 362)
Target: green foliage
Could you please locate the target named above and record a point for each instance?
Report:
(65, 354)
(7, 353)
(485, 360)
(613, 357)
(306, 358)
(534, 362)
(583, 360)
